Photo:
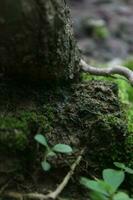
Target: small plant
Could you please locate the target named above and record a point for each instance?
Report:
(107, 189)
(51, 151)
(123, 167)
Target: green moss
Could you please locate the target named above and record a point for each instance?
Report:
(47, 51)
(129, 63)
(87, 114)
(91, 117)
(125, 92)
(15, 131)
(111, 131)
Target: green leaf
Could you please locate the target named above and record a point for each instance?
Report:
(41, 139)
(107, 187)
(113, 177)
(62, 148)
(51, 154)
(122, 166)
(128, 170)
(46, 166)
(93, 185)
(97, 196)
(121, 196)
(119, 165)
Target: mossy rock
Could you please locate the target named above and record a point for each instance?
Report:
(85, 115)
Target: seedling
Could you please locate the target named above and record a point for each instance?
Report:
(123, 167)
(107, 188)
(51, 151)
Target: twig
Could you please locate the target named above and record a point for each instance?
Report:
(4, 186)
(61, 186)
(121, 70)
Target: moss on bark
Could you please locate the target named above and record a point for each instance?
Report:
(36, 40)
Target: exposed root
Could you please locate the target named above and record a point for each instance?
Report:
(3, 188)
(121, 70)
(54, 194)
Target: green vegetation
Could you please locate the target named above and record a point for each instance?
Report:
(125, 92)
(129, 63)
(108, 187)
(126, 95)
(87, 115)
(51, 151)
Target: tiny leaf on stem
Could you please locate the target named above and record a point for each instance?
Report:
(128, 170)
(51, 154)
(41, 139)
(45, 165)
(119, 165)
(62, 148)
(122, 166)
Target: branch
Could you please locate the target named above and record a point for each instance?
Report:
(121, 70)
(62, 185)
(54, 194)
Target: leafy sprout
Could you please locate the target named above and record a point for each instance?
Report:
(123, 167)
(51, 151)
(107, 188)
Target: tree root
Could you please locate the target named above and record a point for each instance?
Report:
(3, 188)
(121, 70)
(54, 194)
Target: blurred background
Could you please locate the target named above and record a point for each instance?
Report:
(103, 28)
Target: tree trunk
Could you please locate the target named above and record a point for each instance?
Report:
(36, 40)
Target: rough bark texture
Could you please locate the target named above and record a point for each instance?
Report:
(36, 40)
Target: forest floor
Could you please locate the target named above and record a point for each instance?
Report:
(113, 43)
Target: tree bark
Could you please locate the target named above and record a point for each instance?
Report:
(36, 40)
